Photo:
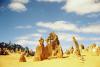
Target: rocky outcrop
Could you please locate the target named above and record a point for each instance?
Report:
(22, 57)
(76, 50)
(40, 51)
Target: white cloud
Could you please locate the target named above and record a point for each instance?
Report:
(90, 29)
(22, 38)
(21, 1)
(26, 42)
(41, 30)
(51, 1)
(98, 43)
(62, 25)
(87, 38)
(23, 42)
(36, 35)
(29, 36)
(93, 15)
(68, 37)
(92, 38)
(82, 6)
(18, 5)
(78, 6)
(58, 25)
(24, 27)
(27, 39)
(64, 36)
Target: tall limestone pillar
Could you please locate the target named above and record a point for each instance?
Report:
(40, 53)
(77, 50)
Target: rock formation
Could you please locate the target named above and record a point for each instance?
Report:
(81, 47)
(76, 50)
(22, 57)
(97, 51)
(67, 52)
(0, 51)
(59, 52)
(52, 49)
(94, 49)
(55, 48)
(48, 48)
(70, 50)
(40, 52)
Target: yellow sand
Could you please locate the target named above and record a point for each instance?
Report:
(72, 61)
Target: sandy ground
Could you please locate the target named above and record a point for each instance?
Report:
(70, 61)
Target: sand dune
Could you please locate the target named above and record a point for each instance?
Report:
(70, 61)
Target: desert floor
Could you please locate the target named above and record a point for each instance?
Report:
(70, 61)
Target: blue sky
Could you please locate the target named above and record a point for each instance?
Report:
(24, 21)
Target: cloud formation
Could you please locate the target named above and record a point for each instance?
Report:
(41, 30)
(66, 26)
(68, 37)
(58, 25)
(18, 5)
(24, 27)
(29, 39)
(82, 6)
(26, 42)
(59, 1)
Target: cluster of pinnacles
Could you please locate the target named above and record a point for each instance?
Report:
(53, 49)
